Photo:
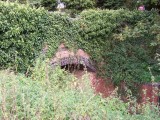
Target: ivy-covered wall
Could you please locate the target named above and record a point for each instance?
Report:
(23, 32)
(122, 43)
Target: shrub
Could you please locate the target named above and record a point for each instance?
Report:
(49, 4)
(32, 98)
(70, 4)
(123, 43)
(113, 4)
(24, 30)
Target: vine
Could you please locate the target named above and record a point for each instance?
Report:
(122, 43)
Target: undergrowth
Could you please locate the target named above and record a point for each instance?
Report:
(54, 94)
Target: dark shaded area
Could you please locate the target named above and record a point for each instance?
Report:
(72, 62)
(74, 67)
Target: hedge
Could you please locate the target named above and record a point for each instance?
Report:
(122, 43)
(23, 32)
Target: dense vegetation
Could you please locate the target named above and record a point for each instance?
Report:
(124, 42)
(80, 5)
(56, 94)
(23, 32)
(124, 45)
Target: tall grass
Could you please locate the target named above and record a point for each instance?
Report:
(54, 94)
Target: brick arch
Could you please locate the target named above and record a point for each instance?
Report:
(74, 60)
(64, 57)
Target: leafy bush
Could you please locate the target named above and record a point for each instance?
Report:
(78, 5)
(24, 30)
(49, 4)
(124, 42)
(70, 4)
(112, 4)
(61, 96)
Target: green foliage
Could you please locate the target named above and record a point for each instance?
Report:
(31, 98)
(76, 6)
(80, 4)
(158, 65)
(70, 4)
(55, 97)
(113, 4)
(23, 32)
(122, 43)
(49, 4)
(44, 73)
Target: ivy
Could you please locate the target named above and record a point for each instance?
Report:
(25, 30)
(122, 43)
(121, 40)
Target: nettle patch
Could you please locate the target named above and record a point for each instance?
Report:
(123, 44)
